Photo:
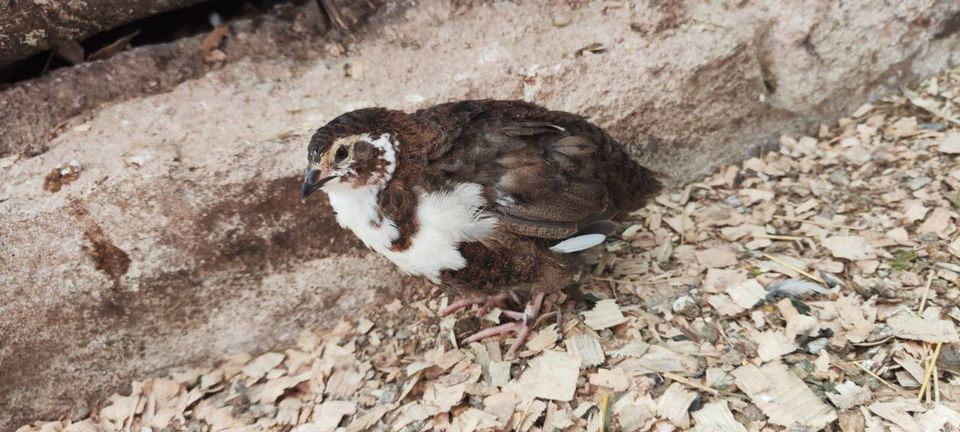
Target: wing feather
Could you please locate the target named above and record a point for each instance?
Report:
(541, 178)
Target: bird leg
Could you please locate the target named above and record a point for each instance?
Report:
(524, 322)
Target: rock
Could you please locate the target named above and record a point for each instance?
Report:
(205, 248)
(686, 306)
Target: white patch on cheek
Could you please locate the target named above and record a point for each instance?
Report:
(385, 143)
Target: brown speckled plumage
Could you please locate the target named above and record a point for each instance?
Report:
(545, 175)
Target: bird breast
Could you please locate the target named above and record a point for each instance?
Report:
(445, 220)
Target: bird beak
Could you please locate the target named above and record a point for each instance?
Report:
(314, 179)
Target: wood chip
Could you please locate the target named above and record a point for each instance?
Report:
(747, 294)
(772, 345)
(674, 405)
(912, 327)
(937, 222)
(720, 280)
(950, 143)
(635, 412)
(615, 379)
(783, 397)
(898, 412)
(849, 395)
(715, 416)
(848, 247)
(717, 257)
(605, 314)
(586, 347)
(552, 376)
(259, 367)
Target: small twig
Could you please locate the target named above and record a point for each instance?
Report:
(687, 382)
(936, 384)
(870, 372)
(929, 372)
(787, 265)
(604, 405)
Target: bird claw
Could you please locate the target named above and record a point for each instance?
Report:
(524, 322)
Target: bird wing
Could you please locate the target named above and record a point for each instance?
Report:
(540, 177)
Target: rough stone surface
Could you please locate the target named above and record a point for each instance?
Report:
(154, 69)
(184, 239)
(28, 27)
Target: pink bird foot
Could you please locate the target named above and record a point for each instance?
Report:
(523, 324)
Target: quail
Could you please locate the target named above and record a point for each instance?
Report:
(491, 199)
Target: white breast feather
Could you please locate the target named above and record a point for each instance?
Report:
(356, 209)
(446, 219)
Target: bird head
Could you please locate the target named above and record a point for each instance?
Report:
(350, 160)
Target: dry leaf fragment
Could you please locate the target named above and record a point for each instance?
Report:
(783, 397)
(113, 48)
(213, 40)
(605, 314)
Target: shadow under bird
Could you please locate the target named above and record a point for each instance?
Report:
(490, 199)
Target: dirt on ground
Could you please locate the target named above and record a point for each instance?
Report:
(813, 288)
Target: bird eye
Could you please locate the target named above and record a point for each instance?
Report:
(340, 155)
